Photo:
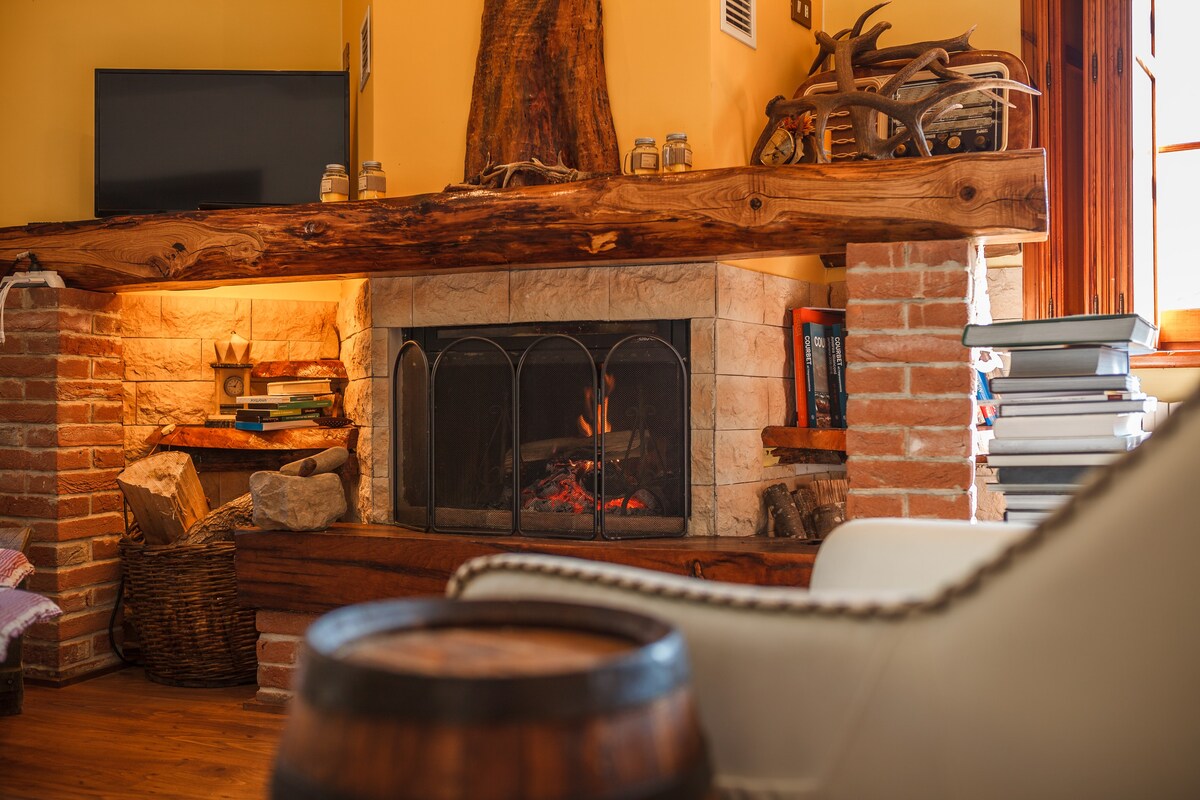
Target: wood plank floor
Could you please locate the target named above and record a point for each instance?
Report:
(121, 736)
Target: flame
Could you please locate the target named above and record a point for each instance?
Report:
(564, 492)
(597, 411)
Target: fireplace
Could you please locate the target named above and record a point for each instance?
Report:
(562, 429)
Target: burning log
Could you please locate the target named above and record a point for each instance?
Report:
(564, 490)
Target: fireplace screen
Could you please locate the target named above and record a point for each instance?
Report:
(579, 431)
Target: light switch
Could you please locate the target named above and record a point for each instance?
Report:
(802, 12)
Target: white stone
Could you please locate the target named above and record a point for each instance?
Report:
(180, 402)
(738, 456)
(296, 504)
(391, 304)
(141, 315)
(558, 295)
(163, 359)
(663, 291)
(292, 320)
(185, 316)
(354, 307)
(740, 294)
(471, 298)
(783, 294)
(704, 354)
(742, 402)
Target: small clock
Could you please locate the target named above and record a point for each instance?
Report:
(232, 381)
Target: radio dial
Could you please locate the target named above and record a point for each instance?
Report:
(954, 142)
(981, 142)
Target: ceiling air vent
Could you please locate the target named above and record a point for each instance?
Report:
(738, 19)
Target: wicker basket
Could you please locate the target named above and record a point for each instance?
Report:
(182, 602)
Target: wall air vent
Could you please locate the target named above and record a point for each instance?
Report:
(739, 19)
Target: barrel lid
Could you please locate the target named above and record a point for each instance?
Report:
(350, 664)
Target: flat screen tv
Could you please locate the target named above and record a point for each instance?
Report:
(181, 140)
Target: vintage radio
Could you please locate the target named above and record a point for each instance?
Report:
(981, 124)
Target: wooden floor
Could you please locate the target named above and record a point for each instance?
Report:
(122, 736)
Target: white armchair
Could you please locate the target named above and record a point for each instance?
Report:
(939, 659)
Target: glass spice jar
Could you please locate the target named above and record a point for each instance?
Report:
(643, 158)
(335, 184)
(372, 182)
(677, 153)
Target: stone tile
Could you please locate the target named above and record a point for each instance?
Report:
(181, 402)
(781, 401)
(474, 298)
(703, 401)
(743, 403)
(135, 441)
(391, 303)
(141, 315)
(129, 403)
(746, 349)
(292, 320)
(163, 359)
(379, 450)
(838, 295)
(559, 294)
(740, 294)
(737, 456)
(354, 306)
(381, 501)
(261, 350)
(304, 351)
(703, 336)
(703, 461)
(204, 317)
(366, 402)
(663, 291)
(740, 510)
(782, 294)
(330, 345)
(703, 517)
(1005, 292)
(365, 354)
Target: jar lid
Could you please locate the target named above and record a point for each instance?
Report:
(335, 167)
(644, 140)
(676, 136)
(372, 164)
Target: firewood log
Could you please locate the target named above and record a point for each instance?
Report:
(164, 493)
(325, 461)
(220, 523)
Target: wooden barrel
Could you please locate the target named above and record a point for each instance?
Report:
(451, 699)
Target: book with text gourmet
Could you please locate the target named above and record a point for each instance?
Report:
(822, 316)
(816, 375)
(275, 425)
(315, 386)
(1080, 360)
(1126, 331)
(1068, 444)
(1056, 427)
(1070, 384)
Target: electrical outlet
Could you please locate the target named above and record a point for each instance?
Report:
(802, 12)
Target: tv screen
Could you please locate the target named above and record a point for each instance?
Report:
(181, 140)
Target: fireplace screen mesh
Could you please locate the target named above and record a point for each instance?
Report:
(578, 434)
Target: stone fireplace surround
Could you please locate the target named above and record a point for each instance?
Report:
(65, 374)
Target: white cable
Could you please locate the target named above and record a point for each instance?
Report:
(3, 297)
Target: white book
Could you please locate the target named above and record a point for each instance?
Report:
(1035, 502)
(1033, 488)
(1146, 406)
(1075, 444)
(1051, 459)
(1081, 360)
(1056, 426)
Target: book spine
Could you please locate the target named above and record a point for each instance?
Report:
(837, 375)
(810, 398)
(799, 370)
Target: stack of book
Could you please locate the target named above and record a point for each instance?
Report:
(287, 404)
(818, 347)
(1067, 405)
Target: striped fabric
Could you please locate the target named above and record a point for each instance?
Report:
(19, 610)
(14, 567)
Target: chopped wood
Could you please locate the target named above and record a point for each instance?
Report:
(15, 538)
(324, 461)
(221, 522)
(784, 512)
(164, 493)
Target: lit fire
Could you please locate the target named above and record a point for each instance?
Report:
(597, 411)
(564, 491)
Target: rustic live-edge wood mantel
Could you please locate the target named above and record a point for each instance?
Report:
(741, 212)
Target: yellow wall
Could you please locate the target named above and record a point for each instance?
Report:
(49, 49)
(999, 22)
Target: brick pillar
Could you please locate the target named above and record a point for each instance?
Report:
(60, 451)
(281, 636)
(911, 412)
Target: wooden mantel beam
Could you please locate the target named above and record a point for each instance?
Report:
(741, 212)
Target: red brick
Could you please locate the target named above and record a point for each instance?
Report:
(952, 314)
(907, 284)
(59, 554)
(27, 367)
(32, 320)
(108, 457)
(105, 595)
(107, 412)
(83, 299)
(862, 379)
(12, 435)
(74, 413)
(105, 547)
(87, 344)
(90, 434)
(70, 626)
(863, 317)
(66, 578)
(953, 252)
(107, 369)
(283, 623)
(72, 367)
(875, 255)
(15, 459)
(41, 436)
(15, 482)
(74, 321)
(277, 651)
(35, 413)
(12, 390)
(96, 525)
(105, 501)
(41, 390)
(874, 442)
(87, 482)
(940, 506)
(89, 390)
(77, 600)
(939, 413)
(867, 473)
(275, 677)
(106, 324)
(939, 442)
(54, 656)
(72, 458)
(861, 506)
(28, 506)
(906, 348)
(949, 379)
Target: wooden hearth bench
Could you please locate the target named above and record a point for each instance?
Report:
(314, 572)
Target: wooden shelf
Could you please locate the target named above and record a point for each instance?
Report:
(289, 439)
(804, 438)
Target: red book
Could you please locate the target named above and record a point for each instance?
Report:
(823, 316)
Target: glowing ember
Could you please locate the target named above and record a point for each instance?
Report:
(564, 491)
